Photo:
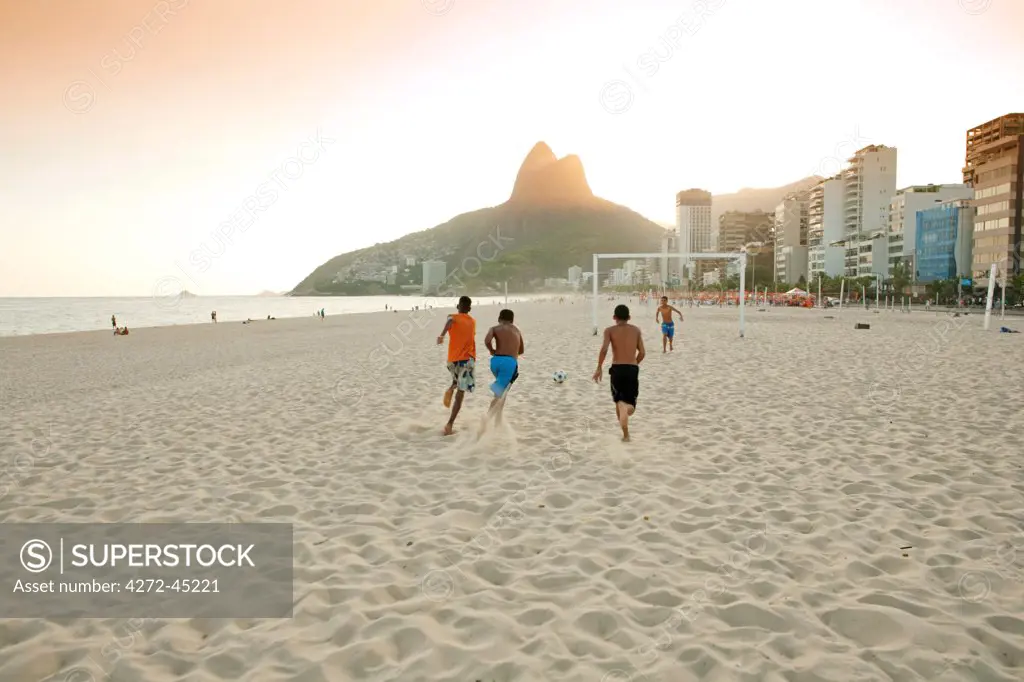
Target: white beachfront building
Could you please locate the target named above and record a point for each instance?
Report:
(824, 227)
(434, 273)
(791, 222)
(869, 184)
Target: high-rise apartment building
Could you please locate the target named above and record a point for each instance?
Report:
(737, 229)
(869, 185)
(791, 223)
(434, 273)
(575, 275)
(903, 210)
(825, 227)
(993, 167)
(693, 225)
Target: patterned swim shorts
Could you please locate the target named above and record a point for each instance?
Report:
(462, 374)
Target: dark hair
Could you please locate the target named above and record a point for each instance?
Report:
(621, 312)
(465, 302)
(506, 315)
(664, 298)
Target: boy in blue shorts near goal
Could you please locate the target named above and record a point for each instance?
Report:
(668, 327)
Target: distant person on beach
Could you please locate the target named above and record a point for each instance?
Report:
(668, 327)
(213, 316)
(505, 343)
(624, 374)
(113, 322)
(461, 331)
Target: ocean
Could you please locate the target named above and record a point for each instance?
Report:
(23, 316)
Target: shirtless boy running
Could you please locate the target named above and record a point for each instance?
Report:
(668, 327)
(505, 342)
(624, 374)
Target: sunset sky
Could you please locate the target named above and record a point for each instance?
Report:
(132, 130)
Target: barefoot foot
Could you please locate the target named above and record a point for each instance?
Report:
(622, 411)
(448, 429)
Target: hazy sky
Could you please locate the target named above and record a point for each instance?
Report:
(131, 131)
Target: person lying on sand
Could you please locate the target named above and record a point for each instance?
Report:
(461, 330)
(505, 343)
(624, 374)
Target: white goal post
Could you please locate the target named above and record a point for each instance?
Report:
(739, 256)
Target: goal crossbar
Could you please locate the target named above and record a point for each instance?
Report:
(739, 256)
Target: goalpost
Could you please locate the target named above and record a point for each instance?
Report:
(739, 256)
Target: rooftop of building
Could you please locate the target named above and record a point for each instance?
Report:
(693, 197)
(746, 215)
(872, 148)
(997, 123)
(914, 189)
(945, 205)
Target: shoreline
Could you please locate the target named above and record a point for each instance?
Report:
(224, 317)
(255, 324)
(1015, 313)
(96, 333)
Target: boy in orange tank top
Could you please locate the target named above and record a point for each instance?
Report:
(461, 331)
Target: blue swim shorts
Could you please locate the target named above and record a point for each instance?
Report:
(505, 369)
(668, 329)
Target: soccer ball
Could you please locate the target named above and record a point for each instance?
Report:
(559, 376)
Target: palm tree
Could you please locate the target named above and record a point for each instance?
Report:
(944, 289)
(1016, 287)
(901, 276)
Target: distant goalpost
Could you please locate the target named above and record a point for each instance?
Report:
(739, 256)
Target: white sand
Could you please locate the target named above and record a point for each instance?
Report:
(751, 531)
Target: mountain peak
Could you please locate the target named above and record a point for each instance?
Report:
(546, 180)
(541, 153)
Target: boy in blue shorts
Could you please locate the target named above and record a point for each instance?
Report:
(668, 327)
(505, 342)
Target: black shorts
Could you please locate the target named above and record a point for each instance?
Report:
(625, 381)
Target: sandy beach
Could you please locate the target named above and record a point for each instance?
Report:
(810, 503)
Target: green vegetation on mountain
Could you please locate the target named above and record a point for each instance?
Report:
(484, 249)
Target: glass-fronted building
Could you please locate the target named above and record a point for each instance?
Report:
(943, 241)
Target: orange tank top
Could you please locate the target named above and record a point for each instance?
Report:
(462, 338)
